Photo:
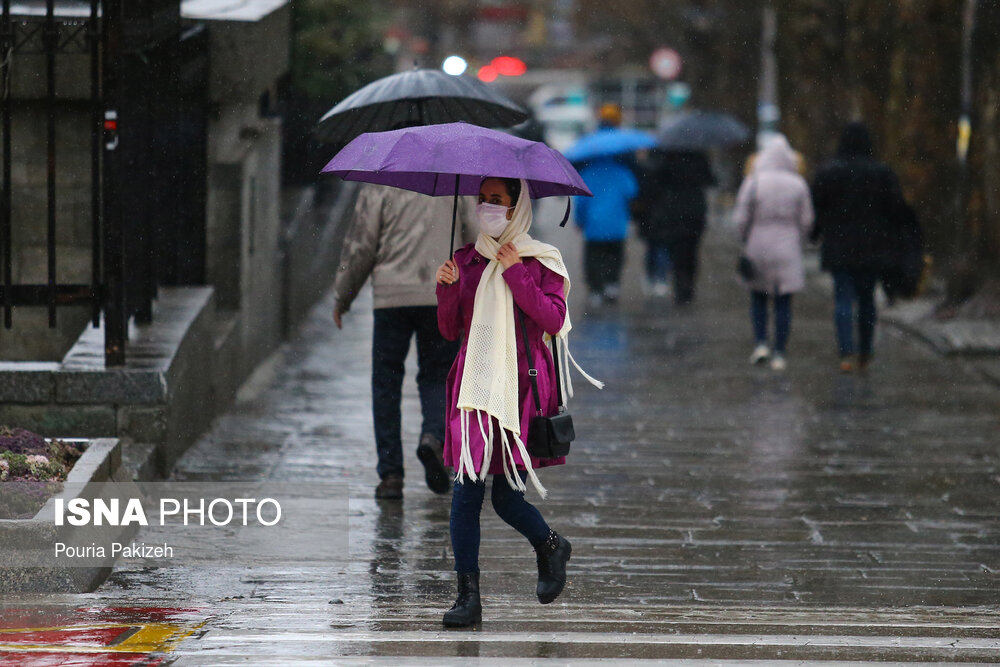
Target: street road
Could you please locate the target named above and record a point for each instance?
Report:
(716, 510)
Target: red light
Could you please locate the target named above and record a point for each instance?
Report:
(111, 125)
(488, 73)
(509, 66)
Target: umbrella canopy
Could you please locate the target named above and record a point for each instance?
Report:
(699, 130)
(453, 159)
(417, 97)
(608, 142)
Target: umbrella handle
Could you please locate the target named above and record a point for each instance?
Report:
(454, 215)
(566, 214)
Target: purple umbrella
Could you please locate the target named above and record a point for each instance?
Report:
(453, 159)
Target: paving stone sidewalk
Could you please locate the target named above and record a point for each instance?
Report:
(718, 511)
(976, 341)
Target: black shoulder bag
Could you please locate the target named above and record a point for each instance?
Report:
(548, 437)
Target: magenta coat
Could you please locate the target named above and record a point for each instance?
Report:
(539, 292)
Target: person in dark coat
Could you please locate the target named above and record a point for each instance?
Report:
(857, 201)
(673, 212)
(657, 256)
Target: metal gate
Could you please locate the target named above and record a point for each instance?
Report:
(147, 128)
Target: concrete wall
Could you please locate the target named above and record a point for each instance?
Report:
(243, 224)
(185, 366)
(243, 220)
(313, 237)
(265, 270)
(164, 395)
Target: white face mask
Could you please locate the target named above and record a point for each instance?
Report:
(492, 218)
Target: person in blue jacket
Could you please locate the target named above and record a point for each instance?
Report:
(604, 220)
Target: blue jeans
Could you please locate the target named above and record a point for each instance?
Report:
(510, 505)
(657, 262)
(394, 327)
(850, 288)
(782, 319)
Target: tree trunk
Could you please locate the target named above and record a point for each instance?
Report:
(894, 65)
(984, 155)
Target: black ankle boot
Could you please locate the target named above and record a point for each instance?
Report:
(468, 609)
(551, 556)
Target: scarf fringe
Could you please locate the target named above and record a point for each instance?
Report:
(465, 455)
(509, 470)
(484, 467)
(467, 466)
(562, 343)
(531, 472)
(569, 355)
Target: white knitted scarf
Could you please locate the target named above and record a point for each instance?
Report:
(489, 377)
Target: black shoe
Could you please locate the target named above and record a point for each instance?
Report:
(551, 556)
(431, 454)
(468, 609)
(390, 488)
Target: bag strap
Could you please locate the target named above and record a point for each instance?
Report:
(753, 211)
(532, 371)
(555, 361)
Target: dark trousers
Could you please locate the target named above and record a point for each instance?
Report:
(394, 327)
(782, 319)
(602, 264)
(510, 505)
(657, 261)
(684, 255)
(850, 288)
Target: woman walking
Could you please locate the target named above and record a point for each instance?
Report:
(858, 207)
(774, 213)
(493, 291)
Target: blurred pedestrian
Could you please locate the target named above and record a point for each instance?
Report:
(396, 236)
(857, 200)
(677, 210)
(657, 268)
(800, 160)
(505, 285)
(773, 215)
(604, 217)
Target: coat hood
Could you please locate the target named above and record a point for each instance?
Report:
(855, 141)
(777, 155)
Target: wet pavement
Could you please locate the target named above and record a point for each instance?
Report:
(717, 510)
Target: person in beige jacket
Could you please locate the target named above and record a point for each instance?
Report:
(399, 238)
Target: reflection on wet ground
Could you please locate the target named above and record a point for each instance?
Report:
(39, 635)
(716, 510)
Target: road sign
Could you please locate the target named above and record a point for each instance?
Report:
(665, 63)
(678, 93)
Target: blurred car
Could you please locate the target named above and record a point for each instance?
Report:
(563, 113)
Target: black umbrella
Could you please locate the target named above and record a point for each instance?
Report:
(699, 130)
(417, 97)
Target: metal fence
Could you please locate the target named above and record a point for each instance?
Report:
(50, 37)
(147, 125)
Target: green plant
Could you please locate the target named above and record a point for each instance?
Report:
(336, 47)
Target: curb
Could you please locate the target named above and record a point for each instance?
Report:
(30, 540)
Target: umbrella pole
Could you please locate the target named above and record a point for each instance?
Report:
(454, 215)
